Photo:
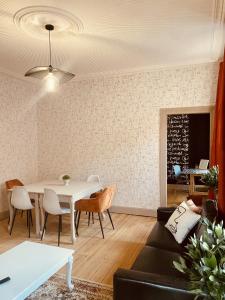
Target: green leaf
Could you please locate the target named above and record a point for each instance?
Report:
(178, 266)
(219, 230)
(205, 246)
(211, 278)
(210, 262)
(183, 262)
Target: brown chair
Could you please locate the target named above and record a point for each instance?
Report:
(102, 202)
(10, 184)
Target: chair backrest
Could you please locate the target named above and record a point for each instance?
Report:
(51, 202)
(93, 178)
(105, 198)
(177, 170)
(20, 198)
(12, 183)
(203, 165)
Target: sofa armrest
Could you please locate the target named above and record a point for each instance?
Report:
(136, 285)
(164, 213)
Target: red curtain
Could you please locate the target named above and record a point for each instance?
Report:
(218, 141)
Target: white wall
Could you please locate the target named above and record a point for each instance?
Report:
(18, 133)
(110, 126)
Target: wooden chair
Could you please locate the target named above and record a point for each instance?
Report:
(92, 178)
(10, 184)
(102, 202)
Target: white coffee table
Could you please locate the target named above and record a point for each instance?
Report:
(29, 265)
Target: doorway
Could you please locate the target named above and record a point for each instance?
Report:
(185, 138)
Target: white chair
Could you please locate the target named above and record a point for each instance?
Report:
(20, 200)
(177, 171)
(93, 178)
(203, 165)
(51, 206)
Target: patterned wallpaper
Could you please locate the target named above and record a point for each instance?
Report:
(18, 133)
(110, 126)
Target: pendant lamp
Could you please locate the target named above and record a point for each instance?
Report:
(52, 76)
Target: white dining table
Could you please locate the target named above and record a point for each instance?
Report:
(76, 190)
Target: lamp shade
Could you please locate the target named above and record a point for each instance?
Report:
(42, 72)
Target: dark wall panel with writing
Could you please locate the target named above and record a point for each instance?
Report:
(177, 142)
(187, 141)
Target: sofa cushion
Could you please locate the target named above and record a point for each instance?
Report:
(182, 221)
(158, 261)
(160, 237)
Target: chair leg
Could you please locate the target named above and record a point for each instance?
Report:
(59, 228)
(44, 228)
(21, 213)
(110, 219)
(75, 221)
(31, 219)
(89, 217)
(61, 224)
(29, 212)
(27, 218)
(14, 216)
(100, 221)
(93, 221)
(78, 221)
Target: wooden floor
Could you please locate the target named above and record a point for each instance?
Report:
(95, 259)
(175, 197)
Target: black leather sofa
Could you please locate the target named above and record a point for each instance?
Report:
(153, 276)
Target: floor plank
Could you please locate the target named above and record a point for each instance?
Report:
(95, 259)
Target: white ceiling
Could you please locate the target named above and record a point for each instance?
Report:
(116, 35)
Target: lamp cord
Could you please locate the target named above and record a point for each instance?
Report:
(50, 48)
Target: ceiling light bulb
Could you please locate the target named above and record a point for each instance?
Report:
(51, 82)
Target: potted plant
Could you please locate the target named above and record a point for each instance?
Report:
(66, 179)
(211, 180)
(204, 262)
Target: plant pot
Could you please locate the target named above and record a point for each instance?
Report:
(66, 181)
(212, 193)
(210, 209)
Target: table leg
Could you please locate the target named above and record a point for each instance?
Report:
(73, 237)
(192, 184)
(69, 273)
(37, 215)
(9, 195)
(41, 211)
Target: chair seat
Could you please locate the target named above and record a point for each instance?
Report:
(28, 208)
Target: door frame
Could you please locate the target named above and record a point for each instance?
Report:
(164, 112)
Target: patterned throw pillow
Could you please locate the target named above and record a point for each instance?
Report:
(182, 221)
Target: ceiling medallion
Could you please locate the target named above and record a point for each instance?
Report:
(32, 20)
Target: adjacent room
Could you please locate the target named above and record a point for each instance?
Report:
(112, 143)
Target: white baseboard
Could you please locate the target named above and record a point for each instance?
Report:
(133, 211)
(114, 209)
